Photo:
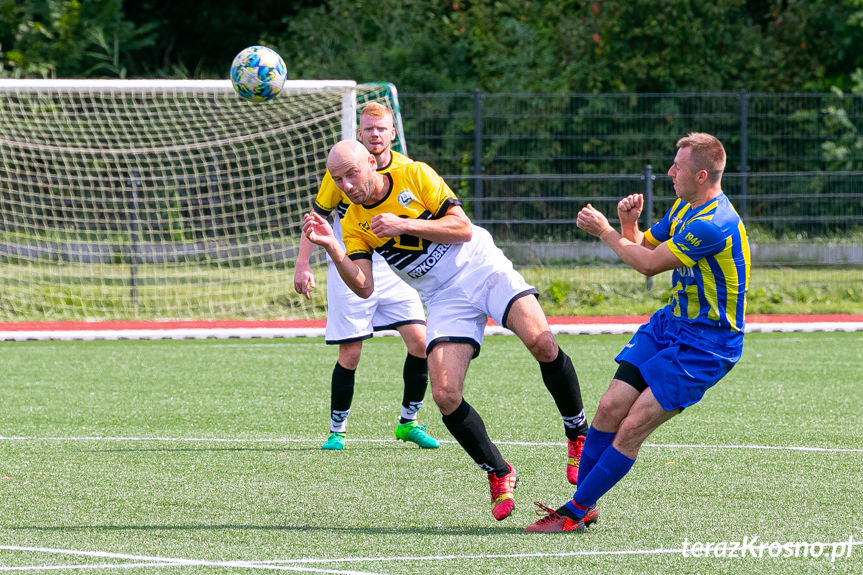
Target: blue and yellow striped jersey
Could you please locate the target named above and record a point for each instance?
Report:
(711, 242)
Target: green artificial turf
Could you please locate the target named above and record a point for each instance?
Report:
(204, 457)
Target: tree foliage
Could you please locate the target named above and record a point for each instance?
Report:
(580, 46)
(69, 38)
(453, 45)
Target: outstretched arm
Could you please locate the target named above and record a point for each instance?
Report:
(357, 274)
(644, 260)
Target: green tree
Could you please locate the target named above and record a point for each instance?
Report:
(416, 43)
(200, 39)
(452, 45)
(68, 38)
(845, 148)
(578, 45)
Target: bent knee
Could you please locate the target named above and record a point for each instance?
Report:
(610, 413)
(447, 400)
(543, 347)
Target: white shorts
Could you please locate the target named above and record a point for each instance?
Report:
(350, 318)
(460, 311)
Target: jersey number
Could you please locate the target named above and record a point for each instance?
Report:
(407, 242)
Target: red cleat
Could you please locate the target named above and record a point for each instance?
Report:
(591, 516)
(553, 522)
(574, 448)
(502, 502)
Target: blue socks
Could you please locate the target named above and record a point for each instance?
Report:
(595, 443)
(610, 468)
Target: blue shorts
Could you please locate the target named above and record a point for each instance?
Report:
(678, 362)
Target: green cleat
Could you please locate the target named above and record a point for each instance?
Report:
(336, 441)
(414, 433)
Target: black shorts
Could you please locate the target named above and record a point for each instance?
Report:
(631, 375)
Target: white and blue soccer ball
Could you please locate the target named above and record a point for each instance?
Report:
(258, 73)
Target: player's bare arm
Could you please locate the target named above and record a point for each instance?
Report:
(453, 228)
(646, 261)
(357, 275)
(304, 279)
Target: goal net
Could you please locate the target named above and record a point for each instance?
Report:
(138, 199)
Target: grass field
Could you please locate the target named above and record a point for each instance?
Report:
(84, 292)
(204, 457)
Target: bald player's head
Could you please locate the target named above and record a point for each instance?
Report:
(353, 169)
(346, 152)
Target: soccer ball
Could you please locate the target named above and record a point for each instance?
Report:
(258, 73)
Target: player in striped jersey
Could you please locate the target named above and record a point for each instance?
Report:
(688, 345)
(351, 319)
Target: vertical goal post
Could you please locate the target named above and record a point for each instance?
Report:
(163, 199)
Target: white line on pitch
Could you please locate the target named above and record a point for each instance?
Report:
(291, 564)
(766, 447)
(232, 564)
(360, 440)
(165, 561)
(84, 566)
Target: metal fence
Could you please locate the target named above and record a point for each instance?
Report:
(525, 163)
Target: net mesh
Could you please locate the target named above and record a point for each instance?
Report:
(160, 201)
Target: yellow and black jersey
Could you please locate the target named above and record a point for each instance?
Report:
(331, 199)
(415, 191)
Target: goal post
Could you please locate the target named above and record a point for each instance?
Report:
(162, 199)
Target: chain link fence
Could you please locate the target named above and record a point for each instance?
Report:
(526, 163)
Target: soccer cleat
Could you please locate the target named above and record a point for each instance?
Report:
(553, 522)
(591, 516)
(335, 442)
(414, 433)
(502, 502)
(574, 448)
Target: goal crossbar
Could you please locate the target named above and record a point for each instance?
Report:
(20, 85)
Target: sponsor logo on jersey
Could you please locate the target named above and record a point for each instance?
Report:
(405, 198)
(431, 260)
